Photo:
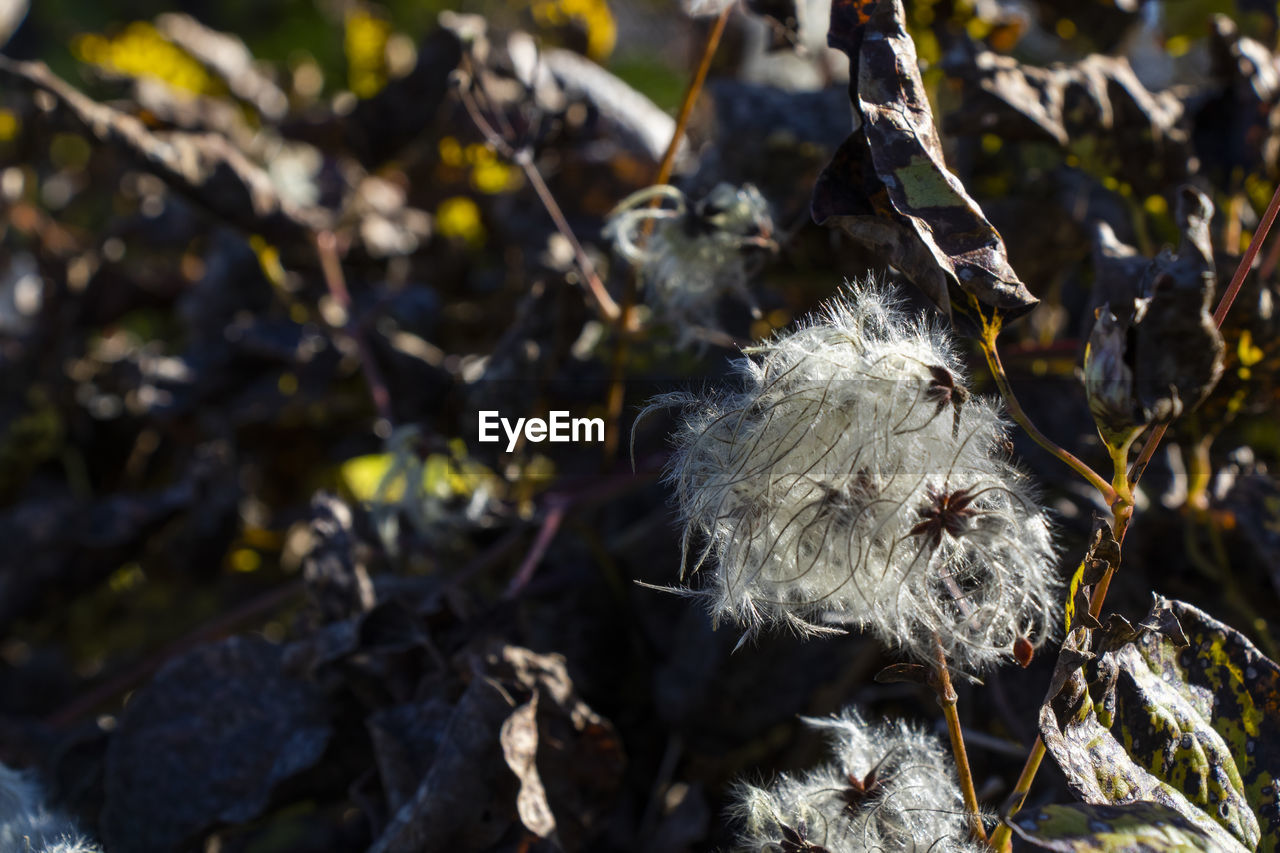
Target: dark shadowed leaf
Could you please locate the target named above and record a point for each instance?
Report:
(206, 742)
(1179, 352)
(1249, 498)
(889, 185)
(1154, 353)
(1235, 132)
(1132, 828)
(405, 741)
(466, 799)
(1193, 727)
(1099, 98)
(550, 762)
(337, 583)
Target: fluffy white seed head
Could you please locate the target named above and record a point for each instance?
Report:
(850, 479)
(26, 824)
(891, 787)
(694, 254)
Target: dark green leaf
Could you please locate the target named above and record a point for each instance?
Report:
(1132, 828)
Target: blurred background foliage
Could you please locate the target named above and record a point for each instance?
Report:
(189, 449)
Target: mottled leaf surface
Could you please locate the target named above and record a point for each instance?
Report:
(1133, 828)
(889, 185)
(1194, 727)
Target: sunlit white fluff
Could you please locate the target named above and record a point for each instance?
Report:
(27, 825)
(803, 490)
(911, 800)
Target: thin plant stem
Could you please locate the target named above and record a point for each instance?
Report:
(335, 281)
(1122, 503)
(604, 303)
(618, 365)
(947, 700)
(988, 344)
(691, 94)
(1002, 837)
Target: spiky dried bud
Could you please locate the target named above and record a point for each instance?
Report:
(891, 787)
(832, 487)
(695, 253)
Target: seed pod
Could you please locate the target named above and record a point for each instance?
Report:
(1108, 379)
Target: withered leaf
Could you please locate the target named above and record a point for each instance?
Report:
(206, 742)
(462, 801)
(520, 749)
(1180, 711)
(1235, 129)
(1179, 349)
(1250, 498)
(1159, 349)
(519, 714)
(889, 185)
(1099, 97)
(336, 582)
(1073, 655)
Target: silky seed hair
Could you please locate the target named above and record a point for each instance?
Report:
(891, 787)
(695, 252)
(850, 479)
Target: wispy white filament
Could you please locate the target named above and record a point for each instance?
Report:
(813, 493)
(694, 254)
(891, 789)
(26, 824)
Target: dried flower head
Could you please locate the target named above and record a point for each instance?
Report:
(695, 252)
(891, 788)
(851, 479)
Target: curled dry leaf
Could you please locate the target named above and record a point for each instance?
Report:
(889, 185)
(549, 762)
(1154, 353)
(1099, 98)
(520, 749)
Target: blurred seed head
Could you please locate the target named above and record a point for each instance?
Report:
(890, 787)
(694, 252)
(831, 487)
